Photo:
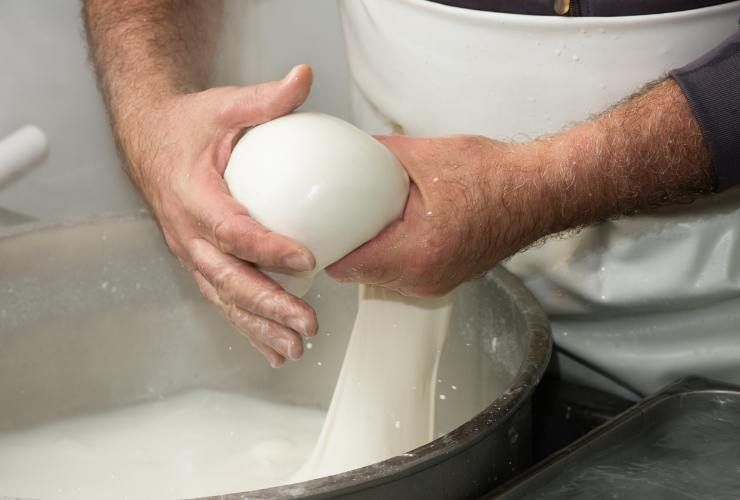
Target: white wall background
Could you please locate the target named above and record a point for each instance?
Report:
(45, 80)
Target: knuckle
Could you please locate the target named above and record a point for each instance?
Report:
(228, 103)
(243, 321)
(235, 317)
(222, 234)
(198, 263)
(232, 313)
(225, 280)
(237, 239)
(426, 260)
(259, 328)
(249, 243)
(266, 301)
(256, 97)
(263, 300)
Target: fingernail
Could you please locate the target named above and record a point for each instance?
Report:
(290, 73)
(299, 325)
(286, 348)
(298, 262)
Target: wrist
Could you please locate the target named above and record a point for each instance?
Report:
(140, 134)
(524, 200)
(573, 184)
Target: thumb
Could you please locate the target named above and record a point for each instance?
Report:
(255, 104)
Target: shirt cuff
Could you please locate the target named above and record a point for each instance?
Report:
(712, 87)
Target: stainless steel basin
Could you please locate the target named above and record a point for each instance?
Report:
(98, 315)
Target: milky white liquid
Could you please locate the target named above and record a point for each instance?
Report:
(200, 443)
(383, 404)
(205, 443)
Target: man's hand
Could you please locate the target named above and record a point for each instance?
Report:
(475, 201)
(151, 58)
(177, 157)
(177, 154)
(445, 235)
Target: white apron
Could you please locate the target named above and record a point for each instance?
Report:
(634, 303)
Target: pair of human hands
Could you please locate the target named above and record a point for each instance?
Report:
(453, 228)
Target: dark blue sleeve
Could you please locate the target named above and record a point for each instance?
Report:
(712, 87)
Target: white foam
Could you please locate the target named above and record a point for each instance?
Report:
(205, 443)
(201, 443)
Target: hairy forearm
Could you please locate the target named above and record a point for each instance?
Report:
(643, 153)
(144, 50)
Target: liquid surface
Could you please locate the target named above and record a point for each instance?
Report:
(205, 443)
(196, 444)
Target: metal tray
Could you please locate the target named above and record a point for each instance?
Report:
(681, 443)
